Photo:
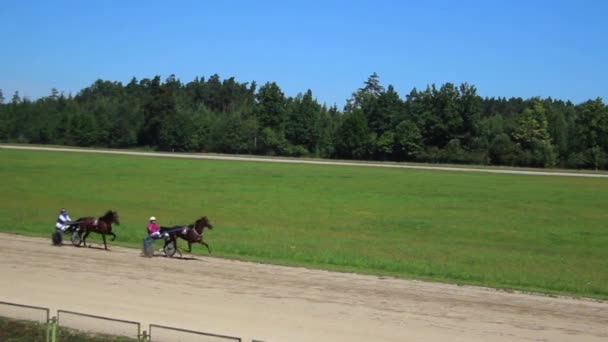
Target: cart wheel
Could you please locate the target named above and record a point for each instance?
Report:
(76, 238)
(169, 249)
(57, 238)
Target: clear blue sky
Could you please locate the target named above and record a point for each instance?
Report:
(506, 48)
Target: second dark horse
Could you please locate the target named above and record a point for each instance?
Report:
(192, 233)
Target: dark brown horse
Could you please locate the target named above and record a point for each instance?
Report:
(192, 233)
(101, 225)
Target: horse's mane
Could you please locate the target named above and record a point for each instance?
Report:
(108, 213)
(199, 224)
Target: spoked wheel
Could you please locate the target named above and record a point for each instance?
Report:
(76, 239)
(170, 249)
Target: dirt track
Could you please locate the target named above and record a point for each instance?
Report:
(276, 303)
(306, 161)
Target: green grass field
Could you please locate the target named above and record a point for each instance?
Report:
(533, 233)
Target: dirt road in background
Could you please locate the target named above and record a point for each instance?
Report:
(286, 304)
(308, 161)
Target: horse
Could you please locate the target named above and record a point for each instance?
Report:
(193, 233)
(101, 225)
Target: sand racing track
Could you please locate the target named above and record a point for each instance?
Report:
(275, 303)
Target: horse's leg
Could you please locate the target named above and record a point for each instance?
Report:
(84, 238)
(105, 246)
(189, 247)
(206, 245)
(113, 236)
(175, 244)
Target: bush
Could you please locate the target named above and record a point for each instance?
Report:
(576, 160)
(297, 151)
(17, 330)
(502, 150)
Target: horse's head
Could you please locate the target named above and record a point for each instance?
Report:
(111, 217)
(201, 223)
(116, 218)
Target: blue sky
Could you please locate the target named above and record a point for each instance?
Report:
(505, 48)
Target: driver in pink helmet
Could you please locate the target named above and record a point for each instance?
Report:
(153, 229)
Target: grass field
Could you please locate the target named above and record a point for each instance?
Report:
(535, 233)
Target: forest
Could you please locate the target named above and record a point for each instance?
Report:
(439, 124)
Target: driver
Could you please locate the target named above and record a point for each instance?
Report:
(63, 220)
(154, 229)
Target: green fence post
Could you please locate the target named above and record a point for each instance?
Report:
(51, 330)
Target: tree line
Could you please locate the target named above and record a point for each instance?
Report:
(446, 124)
